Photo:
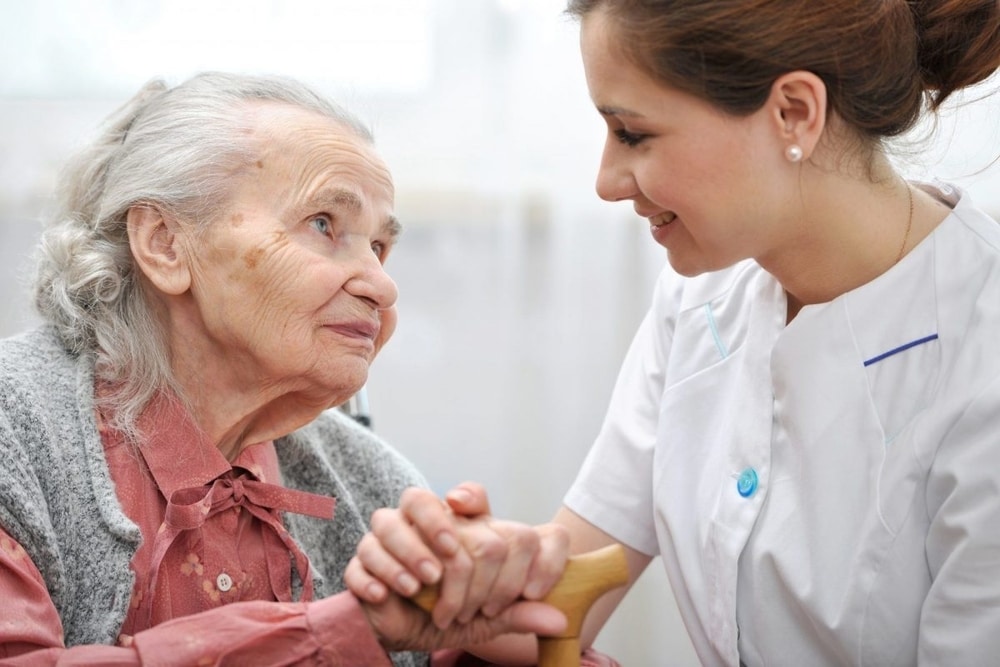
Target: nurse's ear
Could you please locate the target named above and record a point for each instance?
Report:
(796, 107)
(154, 238)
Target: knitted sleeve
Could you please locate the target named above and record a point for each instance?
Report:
(336, 456)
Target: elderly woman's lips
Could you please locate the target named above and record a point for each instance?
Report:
(365, 330)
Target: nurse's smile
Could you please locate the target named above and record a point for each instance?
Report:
(659, 226)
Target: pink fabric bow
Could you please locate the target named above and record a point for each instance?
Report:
(189, 509)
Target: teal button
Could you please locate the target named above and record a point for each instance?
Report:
(746, 485)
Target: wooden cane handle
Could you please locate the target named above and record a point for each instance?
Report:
(587, 577)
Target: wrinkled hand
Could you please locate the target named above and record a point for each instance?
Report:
(400, 625)
(482, 564)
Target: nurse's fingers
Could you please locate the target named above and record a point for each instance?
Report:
(536, 558)
(523, 547)
(403, 578)
(394, 547)
(470, 575)
(548, 565)
(432, 518)
(363, 584)
(468, 499)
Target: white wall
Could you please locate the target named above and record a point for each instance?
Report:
(519, 289)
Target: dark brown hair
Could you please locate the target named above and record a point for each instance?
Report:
(881, 60)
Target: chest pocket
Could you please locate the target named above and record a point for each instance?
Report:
(705, 336)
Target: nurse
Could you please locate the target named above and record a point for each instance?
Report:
(806, 428)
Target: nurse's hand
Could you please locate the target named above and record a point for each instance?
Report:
(482, 564)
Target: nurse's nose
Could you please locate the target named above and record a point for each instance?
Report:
(615, 181)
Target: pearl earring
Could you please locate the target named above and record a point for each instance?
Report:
(793, 153)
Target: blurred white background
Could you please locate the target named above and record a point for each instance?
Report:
(520, 290)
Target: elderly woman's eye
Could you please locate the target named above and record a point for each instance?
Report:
(321, 223)
(378, 248)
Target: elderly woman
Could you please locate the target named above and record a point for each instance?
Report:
(175, 487)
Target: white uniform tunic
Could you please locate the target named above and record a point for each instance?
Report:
(826, 492)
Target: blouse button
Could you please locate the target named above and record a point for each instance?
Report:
(224, 582)
(746, 485)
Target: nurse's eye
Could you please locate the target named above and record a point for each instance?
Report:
(321, 223)
(630, 139)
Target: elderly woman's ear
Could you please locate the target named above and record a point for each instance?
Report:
(154, 237)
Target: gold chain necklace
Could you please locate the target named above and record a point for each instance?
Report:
(909, 225)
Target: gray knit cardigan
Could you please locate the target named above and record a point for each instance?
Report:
(58, 501)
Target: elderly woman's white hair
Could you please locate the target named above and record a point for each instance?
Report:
(179, 149)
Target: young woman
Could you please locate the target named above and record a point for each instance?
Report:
(806, 428)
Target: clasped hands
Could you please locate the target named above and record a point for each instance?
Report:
(491, 573)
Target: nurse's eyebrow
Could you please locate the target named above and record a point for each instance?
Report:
(617, 111)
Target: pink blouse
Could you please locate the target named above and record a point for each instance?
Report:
(214, 560)
(212, 574)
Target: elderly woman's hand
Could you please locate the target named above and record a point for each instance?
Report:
(401, 625)
(482, 564)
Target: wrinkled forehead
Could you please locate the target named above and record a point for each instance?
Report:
(306, 149)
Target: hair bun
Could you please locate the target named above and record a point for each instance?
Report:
(959, 44)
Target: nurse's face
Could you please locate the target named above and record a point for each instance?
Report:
(700, 176)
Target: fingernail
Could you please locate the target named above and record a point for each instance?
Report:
(407, 583)
(460, 495)
(532, 591)
(429, 572)
(447, 542)
(374, 591)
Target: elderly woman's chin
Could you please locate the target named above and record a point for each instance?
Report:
(339, 381)
(347, 387)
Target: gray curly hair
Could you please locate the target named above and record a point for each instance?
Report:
(178, 149)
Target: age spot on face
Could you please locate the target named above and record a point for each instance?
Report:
(252, 257)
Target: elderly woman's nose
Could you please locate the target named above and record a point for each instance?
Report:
(371, 282)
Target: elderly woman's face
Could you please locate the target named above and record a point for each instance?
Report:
(289, 282)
